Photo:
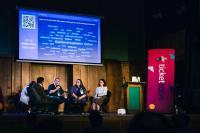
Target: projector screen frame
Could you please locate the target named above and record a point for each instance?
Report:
(101, 19)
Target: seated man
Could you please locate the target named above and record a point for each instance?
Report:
(38, 100)
(56, 94)
(77, 95)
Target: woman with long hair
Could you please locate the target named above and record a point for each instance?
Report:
(77, 94)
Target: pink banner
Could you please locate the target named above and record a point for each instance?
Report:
(160, 89)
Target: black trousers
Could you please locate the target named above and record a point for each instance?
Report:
(55, 101)
(75, 106)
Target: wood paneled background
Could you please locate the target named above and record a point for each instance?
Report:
(16, 75)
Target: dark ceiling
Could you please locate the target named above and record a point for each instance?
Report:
(157, 16)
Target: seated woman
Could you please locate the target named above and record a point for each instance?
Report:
(100, 95)
(24, 97)
(77, 94)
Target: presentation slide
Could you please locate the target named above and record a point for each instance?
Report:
(56, 37)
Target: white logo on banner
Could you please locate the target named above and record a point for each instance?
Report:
(151, 68)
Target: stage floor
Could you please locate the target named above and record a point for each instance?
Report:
(76, 123)
(72, 123)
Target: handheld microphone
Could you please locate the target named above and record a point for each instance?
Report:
(58, 87)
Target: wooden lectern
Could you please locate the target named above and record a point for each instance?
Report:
(134, 96)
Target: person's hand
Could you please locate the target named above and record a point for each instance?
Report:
(99, 95)
(65, 95)
(57, 87)
(79, 98)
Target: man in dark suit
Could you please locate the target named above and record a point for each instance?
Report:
(38, 99)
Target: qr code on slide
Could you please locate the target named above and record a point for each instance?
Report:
(28, 21)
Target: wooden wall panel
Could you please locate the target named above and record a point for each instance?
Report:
(76, 73)
(26, 74)
(125, 72)
(101, 72)
(84, 75)
(16, 77)
(92, 79)
(6, 76)
(49, 73)
(126, 77)
(62, 73)
(36, 71)
(114, 81)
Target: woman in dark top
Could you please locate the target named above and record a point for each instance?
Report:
(77, 94)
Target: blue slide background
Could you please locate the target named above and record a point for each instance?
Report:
(60, 38)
